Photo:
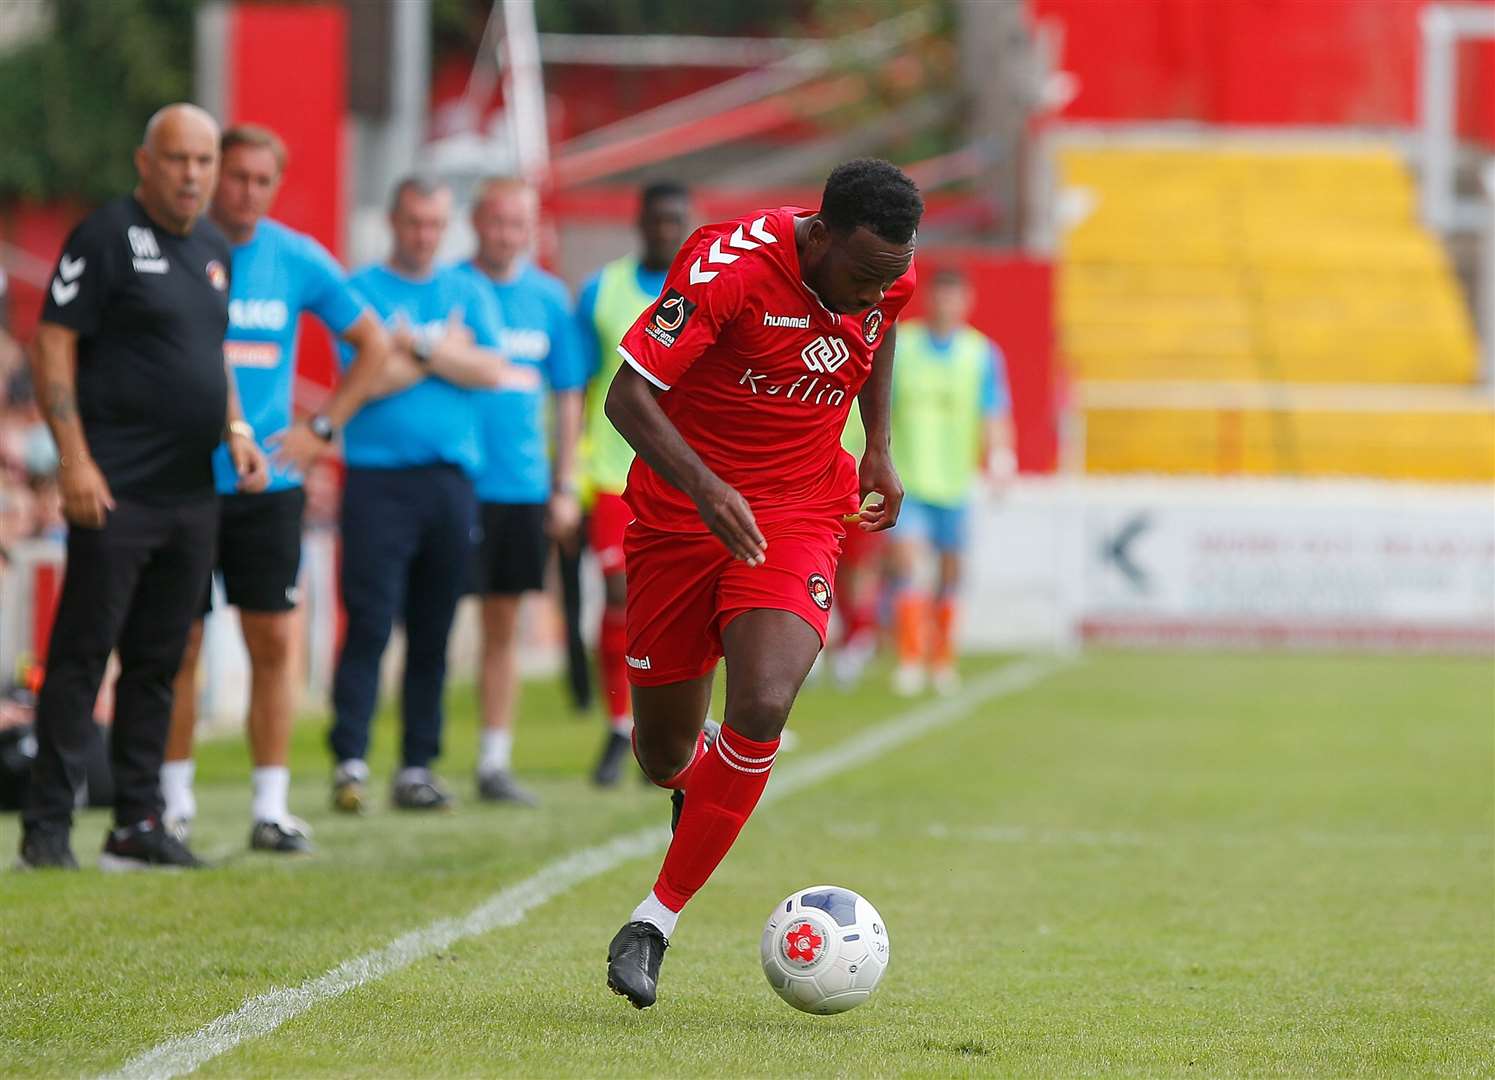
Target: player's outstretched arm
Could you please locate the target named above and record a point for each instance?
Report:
(634, 411)
(877, 474)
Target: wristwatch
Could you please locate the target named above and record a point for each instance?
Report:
(242, 429)
(321, 427)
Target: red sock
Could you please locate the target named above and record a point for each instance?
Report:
(612, 648)
(725, 785)
(861, 621)
(680, 778)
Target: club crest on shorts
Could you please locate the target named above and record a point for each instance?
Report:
(670, 316)
(820, 591)
(872, 326)
(217, 275)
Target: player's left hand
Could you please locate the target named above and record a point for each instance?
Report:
(296, 448)
(878, 477)
(250, 463)
(562, 516)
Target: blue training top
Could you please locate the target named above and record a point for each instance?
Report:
(539, 331)
(432, 422)
(277, 275)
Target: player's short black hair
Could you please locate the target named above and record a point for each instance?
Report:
(659, 190)
(875, 194)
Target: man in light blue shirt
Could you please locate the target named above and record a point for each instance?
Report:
(409, 511)
(527, 495)
(278, 273)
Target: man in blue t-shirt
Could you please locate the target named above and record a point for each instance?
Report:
(528, 496)
(409, 510)
(277, 275)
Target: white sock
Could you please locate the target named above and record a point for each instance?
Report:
(352, 769)
(621, 725)
(653, 911)
(495, 750)
(271, 786)
(176, 789)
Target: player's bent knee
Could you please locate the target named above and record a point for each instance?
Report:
(661, 759)
(761, 713)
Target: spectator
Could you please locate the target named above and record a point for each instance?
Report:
(950, 424)
(277, 275)
(129, 356)
(528, 496)
(605, 309)
(409, 510)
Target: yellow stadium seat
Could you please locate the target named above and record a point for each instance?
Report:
(1240, 264)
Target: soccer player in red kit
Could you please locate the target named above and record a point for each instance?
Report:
(736, 387)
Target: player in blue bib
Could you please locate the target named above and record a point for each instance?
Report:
(278, 274)
(527, 495)
(409, 509)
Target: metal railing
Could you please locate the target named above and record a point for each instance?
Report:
(1444, 26)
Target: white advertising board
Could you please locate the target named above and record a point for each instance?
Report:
(1288, 564)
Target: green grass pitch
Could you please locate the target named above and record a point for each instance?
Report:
(1143, 865)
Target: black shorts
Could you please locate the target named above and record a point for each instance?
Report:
(259, 549)
(511, 558)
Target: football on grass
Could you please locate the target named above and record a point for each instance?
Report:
(824, 949)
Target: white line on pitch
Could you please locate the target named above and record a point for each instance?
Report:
(264, 1013)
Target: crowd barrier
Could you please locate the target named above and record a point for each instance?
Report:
(1055, 564)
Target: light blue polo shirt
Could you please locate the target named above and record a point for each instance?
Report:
(433, 422)
(539, 331)
(277, 275)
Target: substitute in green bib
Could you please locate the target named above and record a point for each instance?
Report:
(950, 424)
(605, 310)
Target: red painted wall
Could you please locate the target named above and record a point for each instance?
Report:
(1257, 61)
(287, 70)
(38, 229)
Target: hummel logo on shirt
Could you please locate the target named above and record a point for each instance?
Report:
(797, 322)
(635, 662)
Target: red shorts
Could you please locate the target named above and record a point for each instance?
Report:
(861, 548)
(684, 588)
(610, 516)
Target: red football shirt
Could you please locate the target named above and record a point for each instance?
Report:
(757, 374)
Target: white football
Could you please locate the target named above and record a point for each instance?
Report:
(824, 949)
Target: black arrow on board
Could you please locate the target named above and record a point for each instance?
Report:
(1117, 550)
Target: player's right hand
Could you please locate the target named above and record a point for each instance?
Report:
(86, 499)
(730, 519)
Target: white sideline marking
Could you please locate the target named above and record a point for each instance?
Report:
(262, 1014)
